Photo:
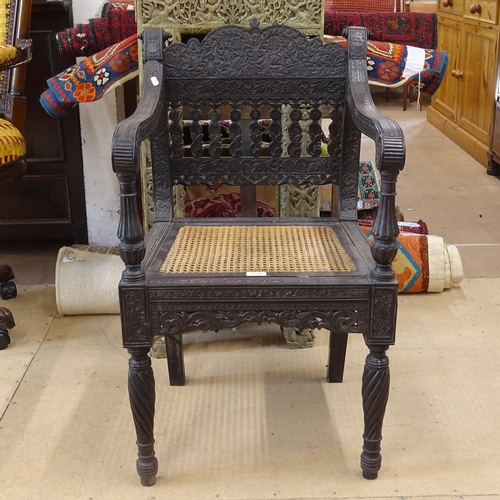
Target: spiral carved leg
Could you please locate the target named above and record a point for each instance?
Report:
(141, 388)
(375, 394)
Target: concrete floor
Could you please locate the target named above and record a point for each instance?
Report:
(257, 420)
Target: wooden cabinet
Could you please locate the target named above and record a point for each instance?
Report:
(478, 81)
(452, 6)
(481, 10)
(445, 99)
(462, 108)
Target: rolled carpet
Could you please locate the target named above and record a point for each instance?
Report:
(87, 282)
(424, 263)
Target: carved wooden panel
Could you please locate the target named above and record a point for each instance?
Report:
(201, 16)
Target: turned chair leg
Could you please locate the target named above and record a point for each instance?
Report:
(175, 359)
(6, 323)
(141, 389)
(336, 357)
(375, 392)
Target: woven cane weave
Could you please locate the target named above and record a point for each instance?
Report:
(236, 249)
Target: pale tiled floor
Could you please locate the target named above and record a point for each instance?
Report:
(256, 420)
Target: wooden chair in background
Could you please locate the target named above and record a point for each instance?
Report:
(15, 52)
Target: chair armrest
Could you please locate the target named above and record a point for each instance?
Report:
(24, 49)
(130, 133)
(390, 149)
(390, 152)
(125, 154)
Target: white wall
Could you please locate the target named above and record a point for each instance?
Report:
(98, 121)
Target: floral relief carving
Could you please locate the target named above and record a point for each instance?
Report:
(237, 52)
(343, 321)
(383, 320)
(135, 324)
(193, 13)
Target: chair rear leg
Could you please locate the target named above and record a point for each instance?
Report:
(336, 358)
(375, 392)
(141, 389)
(175, 359)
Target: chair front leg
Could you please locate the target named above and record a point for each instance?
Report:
(375, 392)
(141, 389)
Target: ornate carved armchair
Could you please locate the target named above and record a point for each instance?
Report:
(219, 273)
(15, 52)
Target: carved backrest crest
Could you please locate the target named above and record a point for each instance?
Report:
(274, 52)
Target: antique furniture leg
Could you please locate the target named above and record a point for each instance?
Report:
(141, 388)
(336, 358)
(175, 359)
(8, 288)
(6, 323)
(375, 392)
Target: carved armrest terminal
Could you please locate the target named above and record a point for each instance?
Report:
(126, 148)
(390, 151)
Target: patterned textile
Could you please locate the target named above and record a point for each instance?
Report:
(419, 227)
(4, 13)
(411, 263)
(362, 5)
(424, 263)
(117, 23)
(407, 28)
(92, 78)
(109, 6)
(12, 143)
(387, 61)
(367, 181)
(223, 205)
(7, 53)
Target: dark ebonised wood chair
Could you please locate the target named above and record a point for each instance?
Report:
(219, 273)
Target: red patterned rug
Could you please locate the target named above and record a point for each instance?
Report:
(223, 205)
(363, 5)
(116, 24)
(408, 28)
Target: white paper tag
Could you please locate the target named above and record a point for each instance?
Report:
(68, 259)
(155, 81)
(256, 273)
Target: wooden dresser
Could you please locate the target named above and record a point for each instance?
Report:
(463, 106)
